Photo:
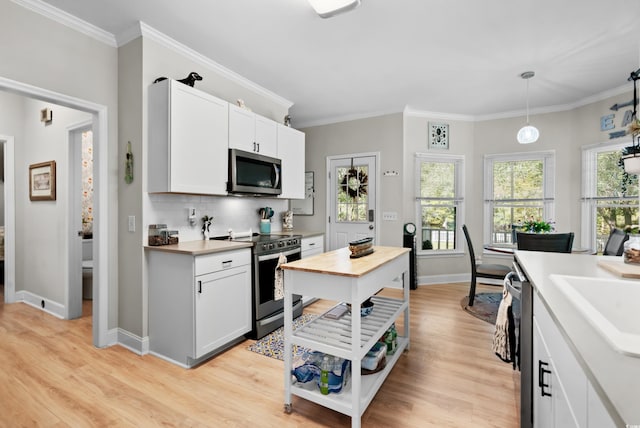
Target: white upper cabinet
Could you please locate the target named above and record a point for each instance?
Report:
(251, 132)
(188, 135)
(291, 143)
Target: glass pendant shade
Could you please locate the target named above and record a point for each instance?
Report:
(528, 134)
(329, 8)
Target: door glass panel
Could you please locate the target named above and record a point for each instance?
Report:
(352, 190)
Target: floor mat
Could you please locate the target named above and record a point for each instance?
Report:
(272, 345)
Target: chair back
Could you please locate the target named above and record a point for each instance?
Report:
(615, 243)
(549, 242)
(472, 255)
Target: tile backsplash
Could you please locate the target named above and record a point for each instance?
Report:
(228, 212)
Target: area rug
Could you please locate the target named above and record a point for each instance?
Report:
(485, 306)
(272, 345)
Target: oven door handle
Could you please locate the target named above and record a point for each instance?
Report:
(276, 255)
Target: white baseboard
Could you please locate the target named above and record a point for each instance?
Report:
(134, 343)
(45, 305)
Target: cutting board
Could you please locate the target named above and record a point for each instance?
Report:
(620, 268)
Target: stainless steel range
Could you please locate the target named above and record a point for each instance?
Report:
(268, 313)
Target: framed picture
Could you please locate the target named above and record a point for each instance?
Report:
(438, 136)
(42, 181)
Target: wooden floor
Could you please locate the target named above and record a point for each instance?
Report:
(52, 376)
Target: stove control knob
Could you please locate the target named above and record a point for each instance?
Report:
(280, 244)
(265, 246)
(271, 246)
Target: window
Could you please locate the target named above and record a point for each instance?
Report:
(609, 196)
(439, 202)
(518, 187)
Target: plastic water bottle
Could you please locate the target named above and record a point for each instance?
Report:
(325, 367)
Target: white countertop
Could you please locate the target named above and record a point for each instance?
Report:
(615, 376)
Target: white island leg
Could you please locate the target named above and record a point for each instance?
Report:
(288, 329)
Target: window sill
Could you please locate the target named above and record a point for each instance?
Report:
(428, 254)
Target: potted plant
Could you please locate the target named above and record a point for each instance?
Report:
(537, 226)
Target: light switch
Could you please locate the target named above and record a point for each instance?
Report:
(132, 223)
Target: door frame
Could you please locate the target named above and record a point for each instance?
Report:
(9, 219)
(328, 206)
(101, 240)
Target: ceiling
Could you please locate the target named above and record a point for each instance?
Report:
(456, 58)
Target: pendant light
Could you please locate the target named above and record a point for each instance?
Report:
(329, 8)
(631, 154)
(528, 134)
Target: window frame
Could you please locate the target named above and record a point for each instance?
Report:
(458, 200)
(548, 158)
(589, 198)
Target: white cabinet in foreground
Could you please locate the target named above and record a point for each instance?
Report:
(562, 394)
(198, 305)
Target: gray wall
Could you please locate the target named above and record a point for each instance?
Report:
(378, 134)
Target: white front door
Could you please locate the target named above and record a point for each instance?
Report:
(351, 202)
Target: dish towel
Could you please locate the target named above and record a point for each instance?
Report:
(278, 289)
(504, 337)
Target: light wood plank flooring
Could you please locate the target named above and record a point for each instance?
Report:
(52, 376)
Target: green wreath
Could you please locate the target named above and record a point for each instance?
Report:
(354, 183)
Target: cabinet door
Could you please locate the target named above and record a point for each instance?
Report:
(188, 134)
(266, 136)
(242, 129)
(542, 404)
(222, 308)
(291, 149)
(198, 135)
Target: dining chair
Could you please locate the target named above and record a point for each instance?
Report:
(482, 270)
(615, 243)
(549, 242)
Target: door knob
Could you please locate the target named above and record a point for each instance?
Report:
(370, 227)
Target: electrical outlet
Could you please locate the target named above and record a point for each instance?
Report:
(132, 223)
(389, 216)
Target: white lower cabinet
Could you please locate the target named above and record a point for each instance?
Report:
(562, 394)
(197, 304)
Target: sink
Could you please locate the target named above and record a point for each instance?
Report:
(611, 306)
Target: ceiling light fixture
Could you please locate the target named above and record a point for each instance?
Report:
(329, 8)
(528, 134)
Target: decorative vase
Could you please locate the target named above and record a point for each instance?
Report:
(205, 234)
(632, 249)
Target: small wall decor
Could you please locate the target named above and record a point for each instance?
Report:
(42, 181)
(438, 135)
(46, 116)
(128, 165)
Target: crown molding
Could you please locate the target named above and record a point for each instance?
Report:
(339, 119)
(68, 20)
(410, 111)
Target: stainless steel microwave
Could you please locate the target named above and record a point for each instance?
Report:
(254, 174)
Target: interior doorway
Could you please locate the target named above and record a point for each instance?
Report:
(80, 284)
(100, 303)
(8, 223)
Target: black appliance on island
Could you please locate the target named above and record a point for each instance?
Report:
(267, 312)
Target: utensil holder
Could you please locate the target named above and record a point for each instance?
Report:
(265, 226)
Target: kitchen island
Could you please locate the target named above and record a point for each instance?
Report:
(606, 391)
(335, 276)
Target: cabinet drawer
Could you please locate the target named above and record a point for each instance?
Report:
(313, 243)
(221, 261)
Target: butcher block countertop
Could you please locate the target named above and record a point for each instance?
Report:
(339, 263)
(198, 248)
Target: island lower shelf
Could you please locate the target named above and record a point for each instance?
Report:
(343, 401)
